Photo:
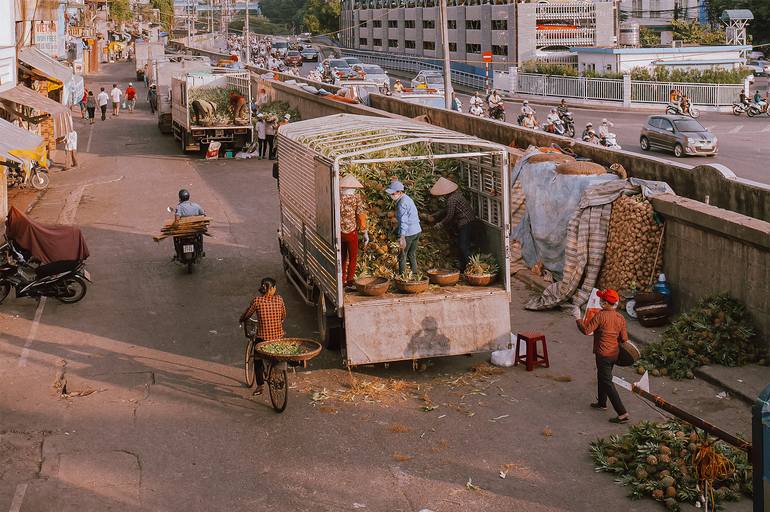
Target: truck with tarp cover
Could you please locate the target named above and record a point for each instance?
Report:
(163, 69)
(313, 156)
(211, 105)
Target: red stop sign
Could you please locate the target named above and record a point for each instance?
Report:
(486, 56)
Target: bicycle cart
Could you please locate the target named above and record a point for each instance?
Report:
(277, 355)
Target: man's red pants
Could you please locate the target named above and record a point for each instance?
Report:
(349, 256)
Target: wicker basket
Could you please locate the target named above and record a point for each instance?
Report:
(412, 287)
(310, 349)
(581, 168)
(443, 277)
(372, 286)
(479, 280)
(550, 157)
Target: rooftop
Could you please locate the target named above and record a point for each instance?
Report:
(663, 49)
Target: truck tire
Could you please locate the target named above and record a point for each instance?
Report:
(330, 331)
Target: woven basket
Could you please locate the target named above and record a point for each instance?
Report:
(443, 277)
(581, 168)
(412, 287)
(550, 157)
(372, 286)
(479, 280)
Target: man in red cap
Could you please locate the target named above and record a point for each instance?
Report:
(609, 330)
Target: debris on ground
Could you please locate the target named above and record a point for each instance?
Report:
(547, 432)
(673, 463)
(399, 428)
(400, 457)
(471, 486)
(718, 330)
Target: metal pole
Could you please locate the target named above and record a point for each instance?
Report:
(189, 20)
(442, 10)
(246, 40)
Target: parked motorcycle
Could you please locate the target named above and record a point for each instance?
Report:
(188, 249)
(569, 123)
(20, 176)
(675, 109)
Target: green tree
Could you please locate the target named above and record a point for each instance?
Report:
(759, 27)
(120, 10)
(166, 8)
(322, 16)
(648, 37)
(692, 32)
(283, 12)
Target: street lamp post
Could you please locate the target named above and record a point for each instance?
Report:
(442, 9)
(246, 40)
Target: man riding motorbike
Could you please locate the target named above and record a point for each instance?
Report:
(553, 123)
(760, 102)
(563, 108)
(589, 135)
(476, 101)
(187, 208)
(477, 110)
(743, 99)
(496, 110)
(525, 110)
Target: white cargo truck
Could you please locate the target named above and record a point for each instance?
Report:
(163, 69)
(145, 53)
(312, 157)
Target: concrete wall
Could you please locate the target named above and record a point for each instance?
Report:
(709, 250)
(713, 183)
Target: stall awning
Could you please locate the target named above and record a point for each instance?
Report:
(14, 141)
(23, 95)
(51, 68)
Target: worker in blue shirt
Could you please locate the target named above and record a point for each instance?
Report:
(408, 226)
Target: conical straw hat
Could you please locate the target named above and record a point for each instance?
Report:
(350, 181)
(443, 187)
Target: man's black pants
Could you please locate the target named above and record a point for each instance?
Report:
(104, 111)
(605, 386)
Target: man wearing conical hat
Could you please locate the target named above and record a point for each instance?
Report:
(458, 214)
(352, 220)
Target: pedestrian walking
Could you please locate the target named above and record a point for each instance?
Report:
(261, 135)
(71, 148)
(130, 97)
(82, 103)
(270, 127)
(609, 330)
(116, 94)
(91, 106)
(408, 226)
(103, 99)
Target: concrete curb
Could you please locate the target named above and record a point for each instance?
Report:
(645, 337)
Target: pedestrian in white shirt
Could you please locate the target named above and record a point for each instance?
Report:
(261, 135)
(115, 94)
(103, 99)
(71, 148)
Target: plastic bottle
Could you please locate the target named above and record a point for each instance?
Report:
(662, 288)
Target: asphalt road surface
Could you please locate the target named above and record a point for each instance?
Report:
(132, 399)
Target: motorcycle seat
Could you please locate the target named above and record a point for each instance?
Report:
(56, 267)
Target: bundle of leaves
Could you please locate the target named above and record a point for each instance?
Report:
(717, 330)
(278, 109)
(220, 97)
(481, 264)
(658, 460)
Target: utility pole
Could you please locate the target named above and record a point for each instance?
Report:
(188, 12)
(445, 50)
(246, 40)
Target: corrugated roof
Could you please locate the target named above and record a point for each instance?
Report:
(14, 138)
(737, 14)
(45, 64)
(62, 118)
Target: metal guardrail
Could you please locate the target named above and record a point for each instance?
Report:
(570, 87)
(414, 65)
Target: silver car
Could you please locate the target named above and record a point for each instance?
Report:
(681, 135)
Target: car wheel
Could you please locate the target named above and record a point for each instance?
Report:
(645, 143)
(678, 151)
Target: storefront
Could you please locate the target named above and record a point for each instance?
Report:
(64, 85)
(19, 146)
(37, 112)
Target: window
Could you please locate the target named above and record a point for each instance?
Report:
(409, 44)
(362, 41)
(451, 24)
(377, 23)
(472, 24)
(392, 43)
(666, 125)
(428, 24)
(392, 23)
(428, 45)
(498, 49)
(472, 48)
(377, 42)
(363, 24)
(409, 24)
(452, 47)
(499, 24)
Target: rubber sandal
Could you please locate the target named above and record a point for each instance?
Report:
(595, 405)
(258, 391)
(619, 420)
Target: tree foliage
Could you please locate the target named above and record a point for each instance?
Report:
(317, 16)
(120, 10)
(692, 32)
(166, 8)
(258, 25)
(697, 76)
(648, 37)
(759, 27)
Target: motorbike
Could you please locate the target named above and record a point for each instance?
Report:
(740, 108)
(757, 109)
(569, 123)
(556, 127)
(64, 280)
(497, 113)
(675, 109)
(610, 141)
(188, 249)
(20, 176)
(477, 111)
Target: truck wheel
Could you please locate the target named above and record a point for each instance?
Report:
(330, 331)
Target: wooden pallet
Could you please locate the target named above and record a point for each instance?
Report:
(185, 226)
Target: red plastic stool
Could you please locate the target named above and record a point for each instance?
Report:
(531, 358)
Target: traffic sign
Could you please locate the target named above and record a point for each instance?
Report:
(486, 56)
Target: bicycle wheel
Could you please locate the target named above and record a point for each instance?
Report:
(248, 364)
(278, 383)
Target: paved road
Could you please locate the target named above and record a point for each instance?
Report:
(168, 426)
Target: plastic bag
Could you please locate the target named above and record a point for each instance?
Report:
(507, 358)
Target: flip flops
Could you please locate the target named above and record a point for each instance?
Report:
(619, 420)
(596, 405)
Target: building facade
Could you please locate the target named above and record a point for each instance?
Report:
(623, 60)
(512, 32)
(659, 13)
(7, 46)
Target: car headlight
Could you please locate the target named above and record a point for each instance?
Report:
(715, 140)
(690, 141)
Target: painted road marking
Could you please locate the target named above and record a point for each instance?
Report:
(18, 497)
(90, 133)
(736, 129)
(31, 336)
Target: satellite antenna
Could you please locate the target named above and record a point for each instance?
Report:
(736, 21)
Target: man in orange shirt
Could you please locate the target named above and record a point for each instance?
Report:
(609, 331)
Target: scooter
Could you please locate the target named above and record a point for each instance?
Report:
(64, 280)
(757, 109)
(675, 109)
(188, 249)
(556, 127)
(610, 141)
(740, 108)
(19, 175)
(569, 123)
(497, 113)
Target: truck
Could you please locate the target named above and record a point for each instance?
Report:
(162, 70)
(145, 53)
(313, 156)
(214, 84)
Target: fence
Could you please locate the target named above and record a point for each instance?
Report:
(621, 90)
(415, 64)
